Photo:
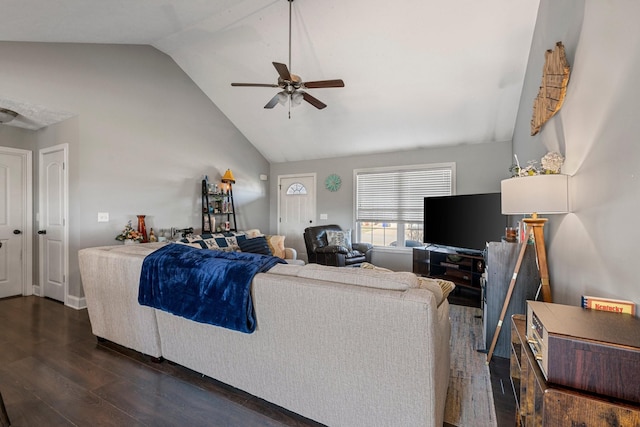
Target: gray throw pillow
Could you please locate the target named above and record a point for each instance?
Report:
(339, 238)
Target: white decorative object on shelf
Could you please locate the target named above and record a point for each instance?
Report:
(552, 162)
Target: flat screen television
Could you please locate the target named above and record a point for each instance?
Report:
(464, 222)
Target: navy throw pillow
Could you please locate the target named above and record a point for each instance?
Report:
(256, 245)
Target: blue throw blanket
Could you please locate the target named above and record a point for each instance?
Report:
(203, 285)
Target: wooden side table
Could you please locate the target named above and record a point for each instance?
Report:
(539, 403)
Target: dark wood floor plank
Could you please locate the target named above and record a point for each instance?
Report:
(53, 372)
(25, 408)
(216, 388)
(11, 352)
(34, 319)
(214, 392)
(174, 403)
(70, 400)
(73, 366)
(141, 373)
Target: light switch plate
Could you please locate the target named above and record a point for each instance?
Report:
(324, 216)
(103, 216)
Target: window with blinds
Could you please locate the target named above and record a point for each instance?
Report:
(390, 201)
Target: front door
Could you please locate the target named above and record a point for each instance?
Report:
(15, 217)
(53, 223)
(297, 209)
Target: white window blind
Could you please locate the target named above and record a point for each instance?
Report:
(398, 195)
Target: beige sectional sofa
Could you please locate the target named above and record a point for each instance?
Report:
(342, 346)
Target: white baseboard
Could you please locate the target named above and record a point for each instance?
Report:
(78, 303)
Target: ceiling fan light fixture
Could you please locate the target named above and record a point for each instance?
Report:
(282, 98)
(7, 115)
(297, 98)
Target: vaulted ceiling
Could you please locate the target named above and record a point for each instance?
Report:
(417, 73)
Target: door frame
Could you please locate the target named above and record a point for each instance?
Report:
(27, 235)
(65, 213)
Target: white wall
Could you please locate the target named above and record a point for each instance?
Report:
(479, 169)
(143, 136)
(593, 250)
(16, 137)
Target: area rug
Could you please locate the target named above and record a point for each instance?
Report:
(469, 399)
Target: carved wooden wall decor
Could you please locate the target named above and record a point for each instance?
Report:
(555, 76)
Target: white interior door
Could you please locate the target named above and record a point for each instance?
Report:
(15, 219)
(53, 223)
(296, 209)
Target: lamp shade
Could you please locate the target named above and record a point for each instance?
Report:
(228, 177)
(546, 194)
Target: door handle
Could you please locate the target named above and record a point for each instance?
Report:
(42, 232)
(17, 232)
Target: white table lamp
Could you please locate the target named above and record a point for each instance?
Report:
(537, 194)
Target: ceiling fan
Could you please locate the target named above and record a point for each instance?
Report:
(292, 85)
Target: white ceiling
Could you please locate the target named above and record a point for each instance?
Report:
(417, 73)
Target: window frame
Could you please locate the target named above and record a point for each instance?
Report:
(400, 231)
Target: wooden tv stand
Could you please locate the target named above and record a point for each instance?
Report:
(462, 269)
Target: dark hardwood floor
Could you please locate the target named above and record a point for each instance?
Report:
(503, 397)
(54, 372)
(499, 367)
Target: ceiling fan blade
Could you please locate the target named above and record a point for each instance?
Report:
(283, 71)
(313, 101)
(323, 84)
(254, 84)
(274, 101)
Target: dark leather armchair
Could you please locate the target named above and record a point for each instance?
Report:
(320, 252)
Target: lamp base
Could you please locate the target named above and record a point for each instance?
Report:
(537, 225)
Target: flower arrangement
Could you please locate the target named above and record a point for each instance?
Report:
(552, 162)
(129, 234)
(549, 164)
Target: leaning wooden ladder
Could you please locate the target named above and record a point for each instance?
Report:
(512, 285)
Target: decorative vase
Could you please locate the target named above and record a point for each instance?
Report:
(142, 229)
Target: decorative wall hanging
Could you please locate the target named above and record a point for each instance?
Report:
(333, 182)
(555, 77)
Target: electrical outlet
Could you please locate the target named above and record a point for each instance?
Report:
(324, 216)
(103, 216)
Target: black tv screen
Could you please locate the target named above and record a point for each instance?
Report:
(464, 221)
